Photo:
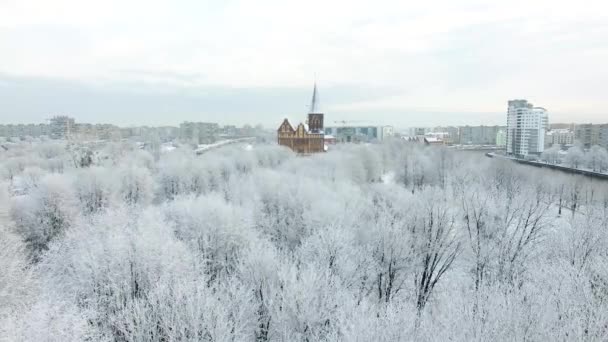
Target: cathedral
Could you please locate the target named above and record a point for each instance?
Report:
(306, 138)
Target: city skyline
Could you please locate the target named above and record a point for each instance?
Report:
(156, 107)
(271, 125)
(403, 64)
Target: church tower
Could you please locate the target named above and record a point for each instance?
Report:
(315, 118)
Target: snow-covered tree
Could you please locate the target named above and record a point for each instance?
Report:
(436, 244)
(95, 189)
(136, 185)
(597, 158)
(217, 230)
(256, 244)
(575, 157)
(44, 213)
(551, 155)
(17, 281)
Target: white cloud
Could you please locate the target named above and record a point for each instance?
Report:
(467, 55)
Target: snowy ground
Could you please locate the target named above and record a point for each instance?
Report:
(4, 205)
(388, 178)
(167, 147)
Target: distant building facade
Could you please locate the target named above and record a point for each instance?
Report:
(61, 127)
(591, 134)
(348, 133)
(603, 136)
(107, 132)
(479, 135)
(562, 136)
(418, 131)
(387, 132)
(443, 136)
(357, 134)
(198, 132)
(164, 133)
(501, 138)
(230, 131)
(587, 134)
(526, 126)
(23, 130)
(449, 134)
(557, 125)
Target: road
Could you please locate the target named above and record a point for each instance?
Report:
(205, 148)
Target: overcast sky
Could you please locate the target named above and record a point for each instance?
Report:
(406, 63)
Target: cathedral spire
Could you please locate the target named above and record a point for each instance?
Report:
(315, 99)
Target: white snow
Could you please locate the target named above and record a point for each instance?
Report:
(167, 148)
(388, 178)
(206, 147)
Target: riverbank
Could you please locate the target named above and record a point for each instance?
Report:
(587, 173)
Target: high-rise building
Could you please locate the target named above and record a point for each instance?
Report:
(603, 136)
(526, 126)
(229, 131)
(501, 138)
(587, 134)
(107, 132)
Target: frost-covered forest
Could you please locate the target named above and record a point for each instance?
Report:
(388, 242)
(594, 159)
